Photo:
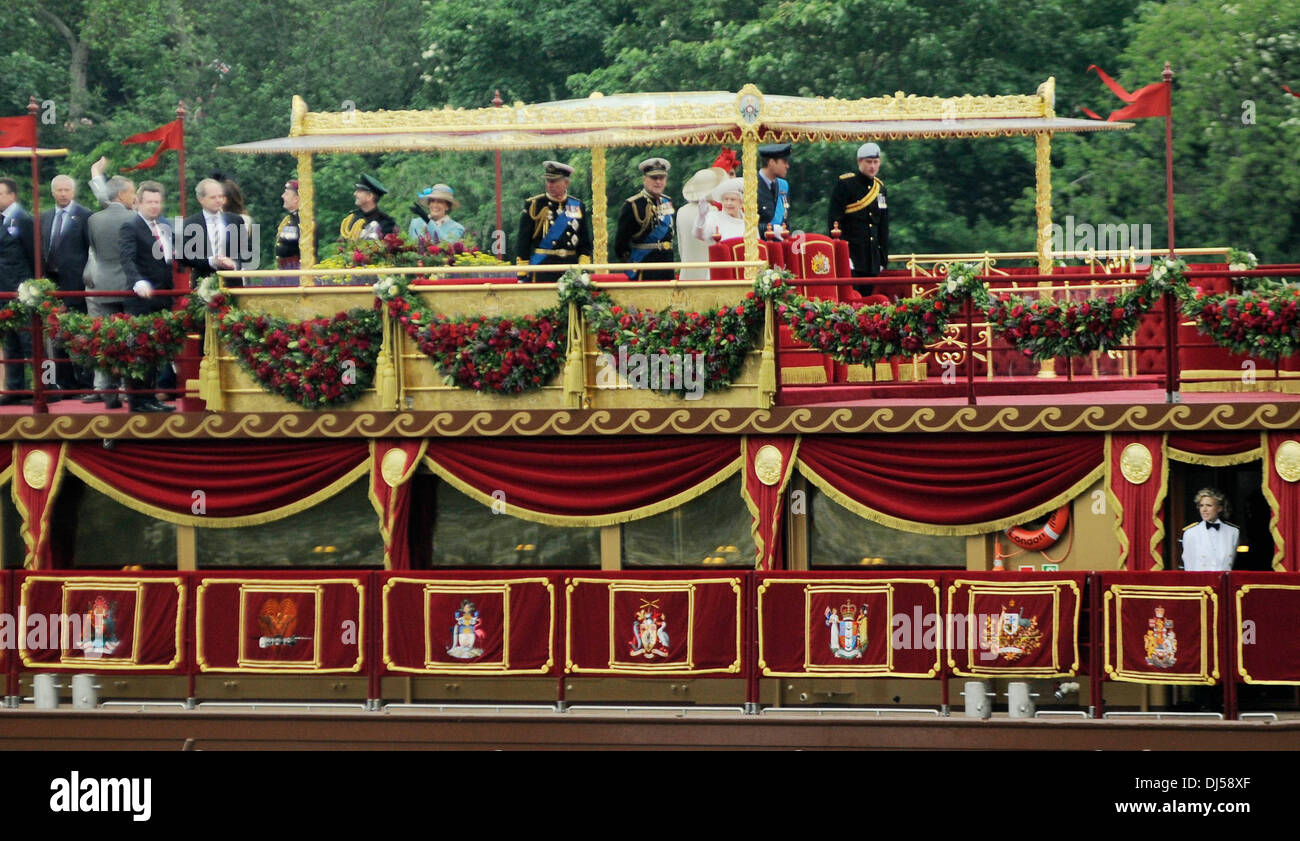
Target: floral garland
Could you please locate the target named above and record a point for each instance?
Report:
(131, 346)
(32, 299)
(1263, 322)
(875, 332)
(499, 355)
(1041, 328)
(396, 250)
(722, 337)
(318, 363)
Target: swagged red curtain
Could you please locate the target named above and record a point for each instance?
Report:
(960, 484)
(594, 481)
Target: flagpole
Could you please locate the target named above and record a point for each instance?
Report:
(180, 114)
(32, 108)
(1168, 76)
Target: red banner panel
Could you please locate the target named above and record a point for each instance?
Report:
(476, 624)
(653, 626)
(860, 626)
(302, 624)
(1161, 633)
(1267, 645)
(102, 622)
(1014, 625)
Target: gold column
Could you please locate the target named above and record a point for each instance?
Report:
(599, 207)
(1043, 207)
(749, 159)
(306, 194)
(306, 212)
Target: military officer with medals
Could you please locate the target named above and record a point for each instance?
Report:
(646, 223)
(554, 228)
(287, 255)
(773, 190)
(859, 208)
(368, 221)
(1211, 544)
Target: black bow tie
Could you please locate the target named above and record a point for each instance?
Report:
(1214, 526)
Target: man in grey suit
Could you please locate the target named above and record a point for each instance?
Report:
(106, 237)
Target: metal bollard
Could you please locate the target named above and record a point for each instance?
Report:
(977, 696)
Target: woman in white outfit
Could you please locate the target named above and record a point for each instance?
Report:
(729, 222)
(1211, 544)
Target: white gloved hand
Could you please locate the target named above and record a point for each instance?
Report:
(143, 288)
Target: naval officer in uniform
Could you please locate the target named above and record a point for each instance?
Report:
(368, 221)
(1211, 544)
(554, 227)
(646, 223)
(773, 190)
(859, 208)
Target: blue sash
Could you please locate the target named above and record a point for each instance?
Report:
(657, 234)
(782, 196)
(557, 229)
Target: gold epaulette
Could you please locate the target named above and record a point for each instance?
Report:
(1192, 526)
(847, 175)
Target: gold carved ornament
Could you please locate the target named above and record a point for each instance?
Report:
(36, 469)
(1136, 463)
(392, 467)
(767, 465)
(1286, 461)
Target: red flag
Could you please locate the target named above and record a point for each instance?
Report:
(172, 136)
(1150, 101)
(1293, 93)
(17, 131)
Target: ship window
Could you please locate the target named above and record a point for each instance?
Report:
(467, 533)
(839, 538)
(341, 532)
(89, 530)
(711, 530)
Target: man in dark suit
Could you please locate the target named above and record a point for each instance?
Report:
(773, 190)
(17, 263)
(65, 239)
(146, 252)
(213, 240)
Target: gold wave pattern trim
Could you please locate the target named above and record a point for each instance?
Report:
(802, 420)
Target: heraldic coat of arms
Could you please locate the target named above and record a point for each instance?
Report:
(1160, 643)
(1010, 635)
(848, 624)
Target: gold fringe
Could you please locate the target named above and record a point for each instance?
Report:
(1122, 562)
(204, 521)
(595, 521)
(1157, 517)
(1265, 380)
(1212, 461)
(1274, 507)
(860, 374)
(787, 470)
(965, 529)
(803, 375)
(56, 481)
(386, 513)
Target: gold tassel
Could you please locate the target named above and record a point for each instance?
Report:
(385, 373)
(210, 367)
(803, 375)
(575, 385)
(767, 368)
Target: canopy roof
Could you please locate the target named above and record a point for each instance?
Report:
(664, 119)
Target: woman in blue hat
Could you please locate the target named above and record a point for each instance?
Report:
(438, 227)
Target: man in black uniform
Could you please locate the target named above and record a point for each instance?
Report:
(555, 228)
(858, 206)
(773, 189)
(646, 222)
(286, 236)
(368, 221)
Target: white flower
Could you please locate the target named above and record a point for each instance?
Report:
(207, 288)
(29, 295)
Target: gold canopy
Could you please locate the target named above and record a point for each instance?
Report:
(679, 118)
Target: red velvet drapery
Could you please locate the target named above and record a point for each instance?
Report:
(769, 463)
(596, 479)
(1285, 501)
(1139, 520)
(216, 479)
(960, 484)
(392, 465)
(39, 467)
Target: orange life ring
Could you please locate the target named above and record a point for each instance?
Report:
(1036, 540)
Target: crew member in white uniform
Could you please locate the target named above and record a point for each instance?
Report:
(1211, 544)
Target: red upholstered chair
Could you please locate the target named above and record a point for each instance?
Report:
(734, 249)
(810, 257)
